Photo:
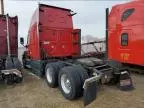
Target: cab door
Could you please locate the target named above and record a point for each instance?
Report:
(125, 45)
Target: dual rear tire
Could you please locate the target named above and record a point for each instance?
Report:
(69, 78)
(51, 73)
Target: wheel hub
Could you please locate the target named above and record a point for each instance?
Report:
(65, 84)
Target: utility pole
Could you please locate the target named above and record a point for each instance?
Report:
(2, 7)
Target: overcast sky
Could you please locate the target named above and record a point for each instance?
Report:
(90, 15)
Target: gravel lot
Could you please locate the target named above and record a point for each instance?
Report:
(34, 93)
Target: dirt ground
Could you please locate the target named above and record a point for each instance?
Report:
(34, 93)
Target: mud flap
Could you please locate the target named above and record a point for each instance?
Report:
(125, 82)
(90, 90)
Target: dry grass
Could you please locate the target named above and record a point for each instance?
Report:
(34, 93)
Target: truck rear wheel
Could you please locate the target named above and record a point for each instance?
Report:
(9, 63)
(51, 73)
(70, 83)
(82, 72)
(17, 63)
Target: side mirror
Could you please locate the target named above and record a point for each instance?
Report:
(22, 40)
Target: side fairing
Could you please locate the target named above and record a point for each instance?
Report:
(33, 37)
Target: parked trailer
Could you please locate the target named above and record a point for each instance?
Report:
(53, 50)
(10, 66)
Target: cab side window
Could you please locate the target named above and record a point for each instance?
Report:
(127, 14)
(124, 39)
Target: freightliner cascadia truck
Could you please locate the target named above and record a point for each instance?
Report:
(53, 50)
(125, 35)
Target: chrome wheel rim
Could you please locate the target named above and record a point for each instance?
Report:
(65, 84)
(49, 75)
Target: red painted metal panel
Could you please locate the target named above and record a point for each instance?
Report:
(134, 26)
(58, 43)
(13, 32)
(33, 37)
(51, 32)
(52, 17)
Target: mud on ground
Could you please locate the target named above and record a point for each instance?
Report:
(34, 93)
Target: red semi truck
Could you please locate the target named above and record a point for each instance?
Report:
(53, 50)
(9, 63)
(125, 34)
